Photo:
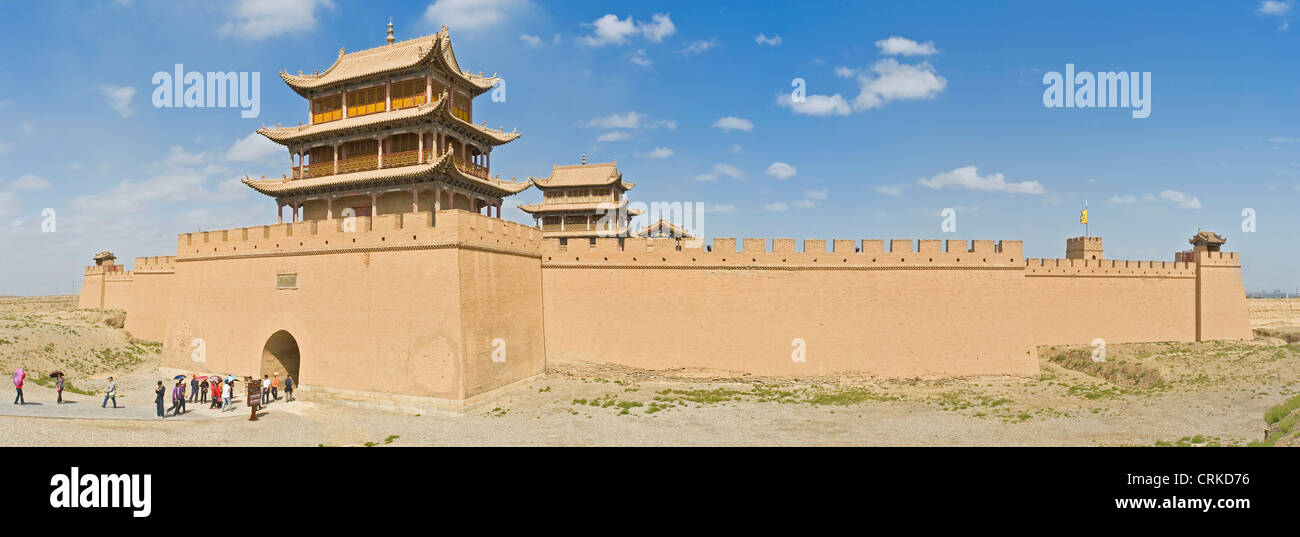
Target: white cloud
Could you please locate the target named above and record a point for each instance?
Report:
(178, 180)
(1183, 200)
(1280, 140)
(659, 29)
(719, 208)
(639, 58)
(765, 40)
(29, 182)
(471, 15)
(658, 152)
(119, 99)
(531, 40)
(897, 81)
(733, 123)
(260, 19)
(698, 47)
(1121, 200)
(901, 46)
(968, 177)
(816, 105)
(257, 148)
(804, 204)
(781, 170)
(613, 136)
(720, 169)
(777, 206)
(735, 148)
(625, 120)
(816, 194)
(728, 170)
(611, 30)
(1274, 7)
(889, 190)
(887, 80)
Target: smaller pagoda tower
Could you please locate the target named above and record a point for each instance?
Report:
(583, 201)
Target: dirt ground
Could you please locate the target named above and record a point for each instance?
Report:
(1143, 394)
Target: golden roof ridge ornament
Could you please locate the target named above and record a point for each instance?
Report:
(390, 31)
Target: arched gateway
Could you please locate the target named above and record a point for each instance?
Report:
(280, 355)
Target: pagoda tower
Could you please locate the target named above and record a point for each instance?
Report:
(389, 130)
(583, 201)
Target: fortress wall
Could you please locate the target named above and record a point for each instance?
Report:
(150, 296)
(374, 311)
(117, 289)
(1221, 296)
(92, 289)
(501, 304)
(956, 308)
(1073, 301)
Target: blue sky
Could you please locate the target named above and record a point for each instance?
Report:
(940, 105)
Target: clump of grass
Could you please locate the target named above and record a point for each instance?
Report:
(1279, 411)
(845, 396)
(1197, 441)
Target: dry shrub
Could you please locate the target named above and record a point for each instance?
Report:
(115, 319)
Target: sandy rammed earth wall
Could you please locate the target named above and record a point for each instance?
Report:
(916, 310)
(403, 313)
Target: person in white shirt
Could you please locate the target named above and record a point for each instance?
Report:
(225, 397)
(266, 389)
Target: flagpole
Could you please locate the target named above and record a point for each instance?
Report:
(1085, 222)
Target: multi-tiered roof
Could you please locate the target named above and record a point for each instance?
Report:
(409, 125)
(584, 200)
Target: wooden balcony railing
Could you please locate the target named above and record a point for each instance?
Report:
(472, 169)
(403, 158)
(391, 160)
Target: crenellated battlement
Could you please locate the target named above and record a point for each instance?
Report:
(1218, 259)
(392, 231)
(1108, 267)
(119, 276)
(155, 264)
(784, 252)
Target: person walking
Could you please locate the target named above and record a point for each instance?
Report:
(157, 398)
(225, 397)
(275, 386)
(203, 390)
(266, 389)
(58, 387)
(194, 388)
(216, 393)
(111, 393)
(288, 388)
(176, 394)
(181, 386)
(19, 376)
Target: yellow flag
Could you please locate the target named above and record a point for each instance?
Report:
(1083, 217)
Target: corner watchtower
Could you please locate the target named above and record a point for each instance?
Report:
(1083, 248)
